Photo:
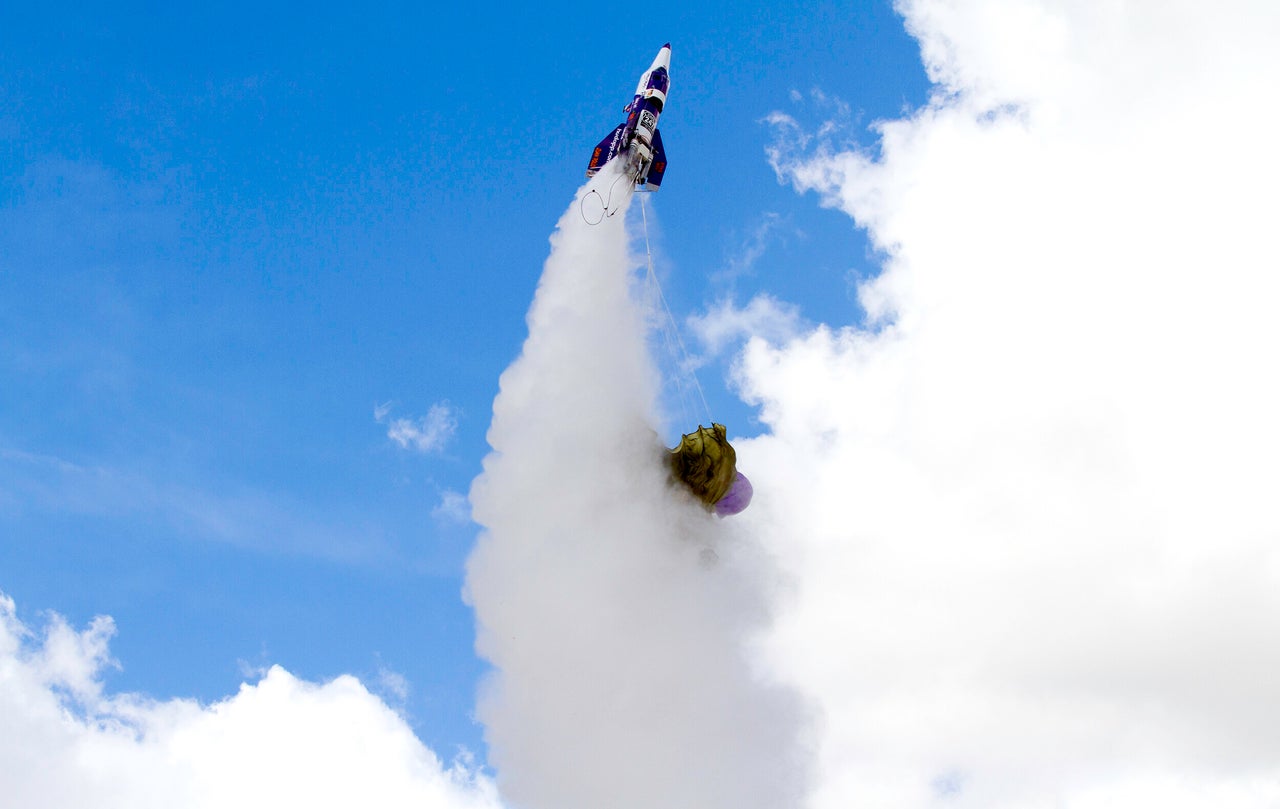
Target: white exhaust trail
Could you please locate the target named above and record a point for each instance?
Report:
(616, 612)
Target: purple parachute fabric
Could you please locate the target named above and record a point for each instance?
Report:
(737, 498)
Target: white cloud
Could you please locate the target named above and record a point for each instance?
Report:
(278, 742)
(1031, 516)
(427, 434)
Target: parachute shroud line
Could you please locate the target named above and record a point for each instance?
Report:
(671, 330)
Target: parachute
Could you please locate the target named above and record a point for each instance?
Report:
(706, 463)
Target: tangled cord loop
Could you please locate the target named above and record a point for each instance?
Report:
(605, 212)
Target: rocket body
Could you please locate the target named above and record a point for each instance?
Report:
(637, 139)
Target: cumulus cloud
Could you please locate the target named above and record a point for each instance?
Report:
(278, 742)
(1029, 505)
(427, 434)
(619, 615)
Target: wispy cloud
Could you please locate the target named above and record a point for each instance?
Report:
(725, 323)
(241, 516)
(429, 433)
(453, 507)
(392, 685)
(742, 261)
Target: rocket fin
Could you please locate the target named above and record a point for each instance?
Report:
(606, 150)
(659, 165)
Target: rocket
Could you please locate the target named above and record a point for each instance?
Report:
(637, 139)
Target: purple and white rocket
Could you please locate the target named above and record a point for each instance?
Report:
(637, 138)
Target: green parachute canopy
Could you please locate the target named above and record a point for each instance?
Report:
(706, 463)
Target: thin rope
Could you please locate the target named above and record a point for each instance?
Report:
(671, 321)
(605, 213)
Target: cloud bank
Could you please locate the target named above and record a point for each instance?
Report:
(278, 742)
(1030, 500)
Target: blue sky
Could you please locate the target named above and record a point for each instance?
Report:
(227, 237)
(271, 280)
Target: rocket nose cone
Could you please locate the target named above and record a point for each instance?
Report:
(663, 59)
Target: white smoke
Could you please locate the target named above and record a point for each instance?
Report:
(618, 614)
